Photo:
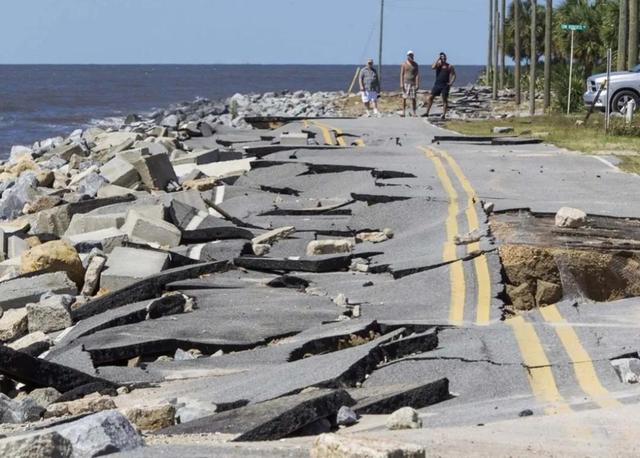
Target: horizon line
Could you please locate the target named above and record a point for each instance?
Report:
(200, 64)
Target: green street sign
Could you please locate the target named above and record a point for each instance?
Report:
(577, 27)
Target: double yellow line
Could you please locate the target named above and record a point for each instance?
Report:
(449, 254)
(539, 372)
(328, 138)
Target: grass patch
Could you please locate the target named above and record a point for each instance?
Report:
(558, 130)
(562, 131)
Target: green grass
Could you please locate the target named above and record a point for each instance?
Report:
(563, 132)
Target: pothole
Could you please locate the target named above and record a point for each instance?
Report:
(543, 264)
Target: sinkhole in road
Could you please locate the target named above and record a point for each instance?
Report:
(543, 264)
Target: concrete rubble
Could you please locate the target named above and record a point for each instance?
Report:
(237, 269)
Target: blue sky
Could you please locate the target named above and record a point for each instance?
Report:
(238, 31)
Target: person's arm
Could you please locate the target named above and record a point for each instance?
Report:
(376, 82)
(417, 78)
(436, 63)
(361, 80)
(402, 76)
(452, 76)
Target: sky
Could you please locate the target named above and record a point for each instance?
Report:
(239, 31)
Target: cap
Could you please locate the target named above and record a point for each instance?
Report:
(409, 53)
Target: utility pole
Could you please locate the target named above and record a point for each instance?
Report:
(532, 60)
(623, 28)
(490, 45)
(632, 52)
(548, 20)
(380, 44)
(503, 12)
(517, 57)
(496, 26)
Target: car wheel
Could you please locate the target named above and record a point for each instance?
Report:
(621, 98)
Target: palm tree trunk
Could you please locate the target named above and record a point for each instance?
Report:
(548, 19)
(532, 61)
(490, 45)
(496, 27)
(503, 12)
(517, 57)
(623, 31)
(632, 52)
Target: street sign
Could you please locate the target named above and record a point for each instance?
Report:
(576, 27)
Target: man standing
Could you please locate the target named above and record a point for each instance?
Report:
(445, 77)
(409, 82)
(370, 88)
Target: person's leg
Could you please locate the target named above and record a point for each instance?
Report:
(414, 104)
(367, 106)
(404, 107)
(375, 107)
(445, 105)
(429, 103)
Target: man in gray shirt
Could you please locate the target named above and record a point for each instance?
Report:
(409, 82)
(369, 88)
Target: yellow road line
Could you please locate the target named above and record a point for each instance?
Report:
(541, 379)
(456, 269)
(582, 362)
(360, 142)
(326, 134)
(483, 278)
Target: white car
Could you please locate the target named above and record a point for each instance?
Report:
(624, 86)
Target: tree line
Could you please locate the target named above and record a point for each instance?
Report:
(529, 32)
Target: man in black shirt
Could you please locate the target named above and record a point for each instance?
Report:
(445, 77)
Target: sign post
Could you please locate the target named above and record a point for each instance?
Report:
(572, 28)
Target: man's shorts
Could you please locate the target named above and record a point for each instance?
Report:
(409, 91)
(369, 96)
(440, 89)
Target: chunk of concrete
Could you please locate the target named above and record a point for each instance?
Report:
(315, 264)
(156, 171)
(122, 272)
(321, 247)
(120, 172)
(339, 446)
(91, 403)
(269, 420)
(83, 223)
(13, 324)
(570, 217)
(105, 239)
(100, 434)
(39, 444)
(386, 399)
(140, 228)
(92, 275)
(152, 418)
(404, 418)
(45, 396)
(50, 314)
(294, 138)
(273, 235)
(18, 292)
(33, 344)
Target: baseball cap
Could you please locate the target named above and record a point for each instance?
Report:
(410, 52)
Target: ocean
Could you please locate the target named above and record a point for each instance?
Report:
(42, 101)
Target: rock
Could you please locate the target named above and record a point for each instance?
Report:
(261, 249)
(404, 418)
(100, 434)
(51, 314)
(15, 198)
(41, 203)
(45, 396)
(470, 237)
(152, 418)
(570, 217)
(89, 404)
(337, 446)
(547, 293)
(488, 207)
(346, 416)
(23, 411)
(628, 369)
(502, 130)
(320, 247)
(140, 228)
(156, 171)
(104, 239)
(33, 344)
(55, 256)
(521, 296)
(121, 272)
(91, 184)
(21, 291)
(373, 237)
(36, 445)
(120, 172)
(181, 355)
(273, 235)
(171, 121)
(13, 324)
(19, 152)
(92, 275)
(341, 300)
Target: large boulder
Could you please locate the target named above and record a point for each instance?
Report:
(55, 256)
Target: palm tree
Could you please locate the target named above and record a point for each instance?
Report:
(623, 27)
(517, 58)
(503, 10)
(490, 46)
(533, 61)
(632, 53)
(496, 25)
(548, 19)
